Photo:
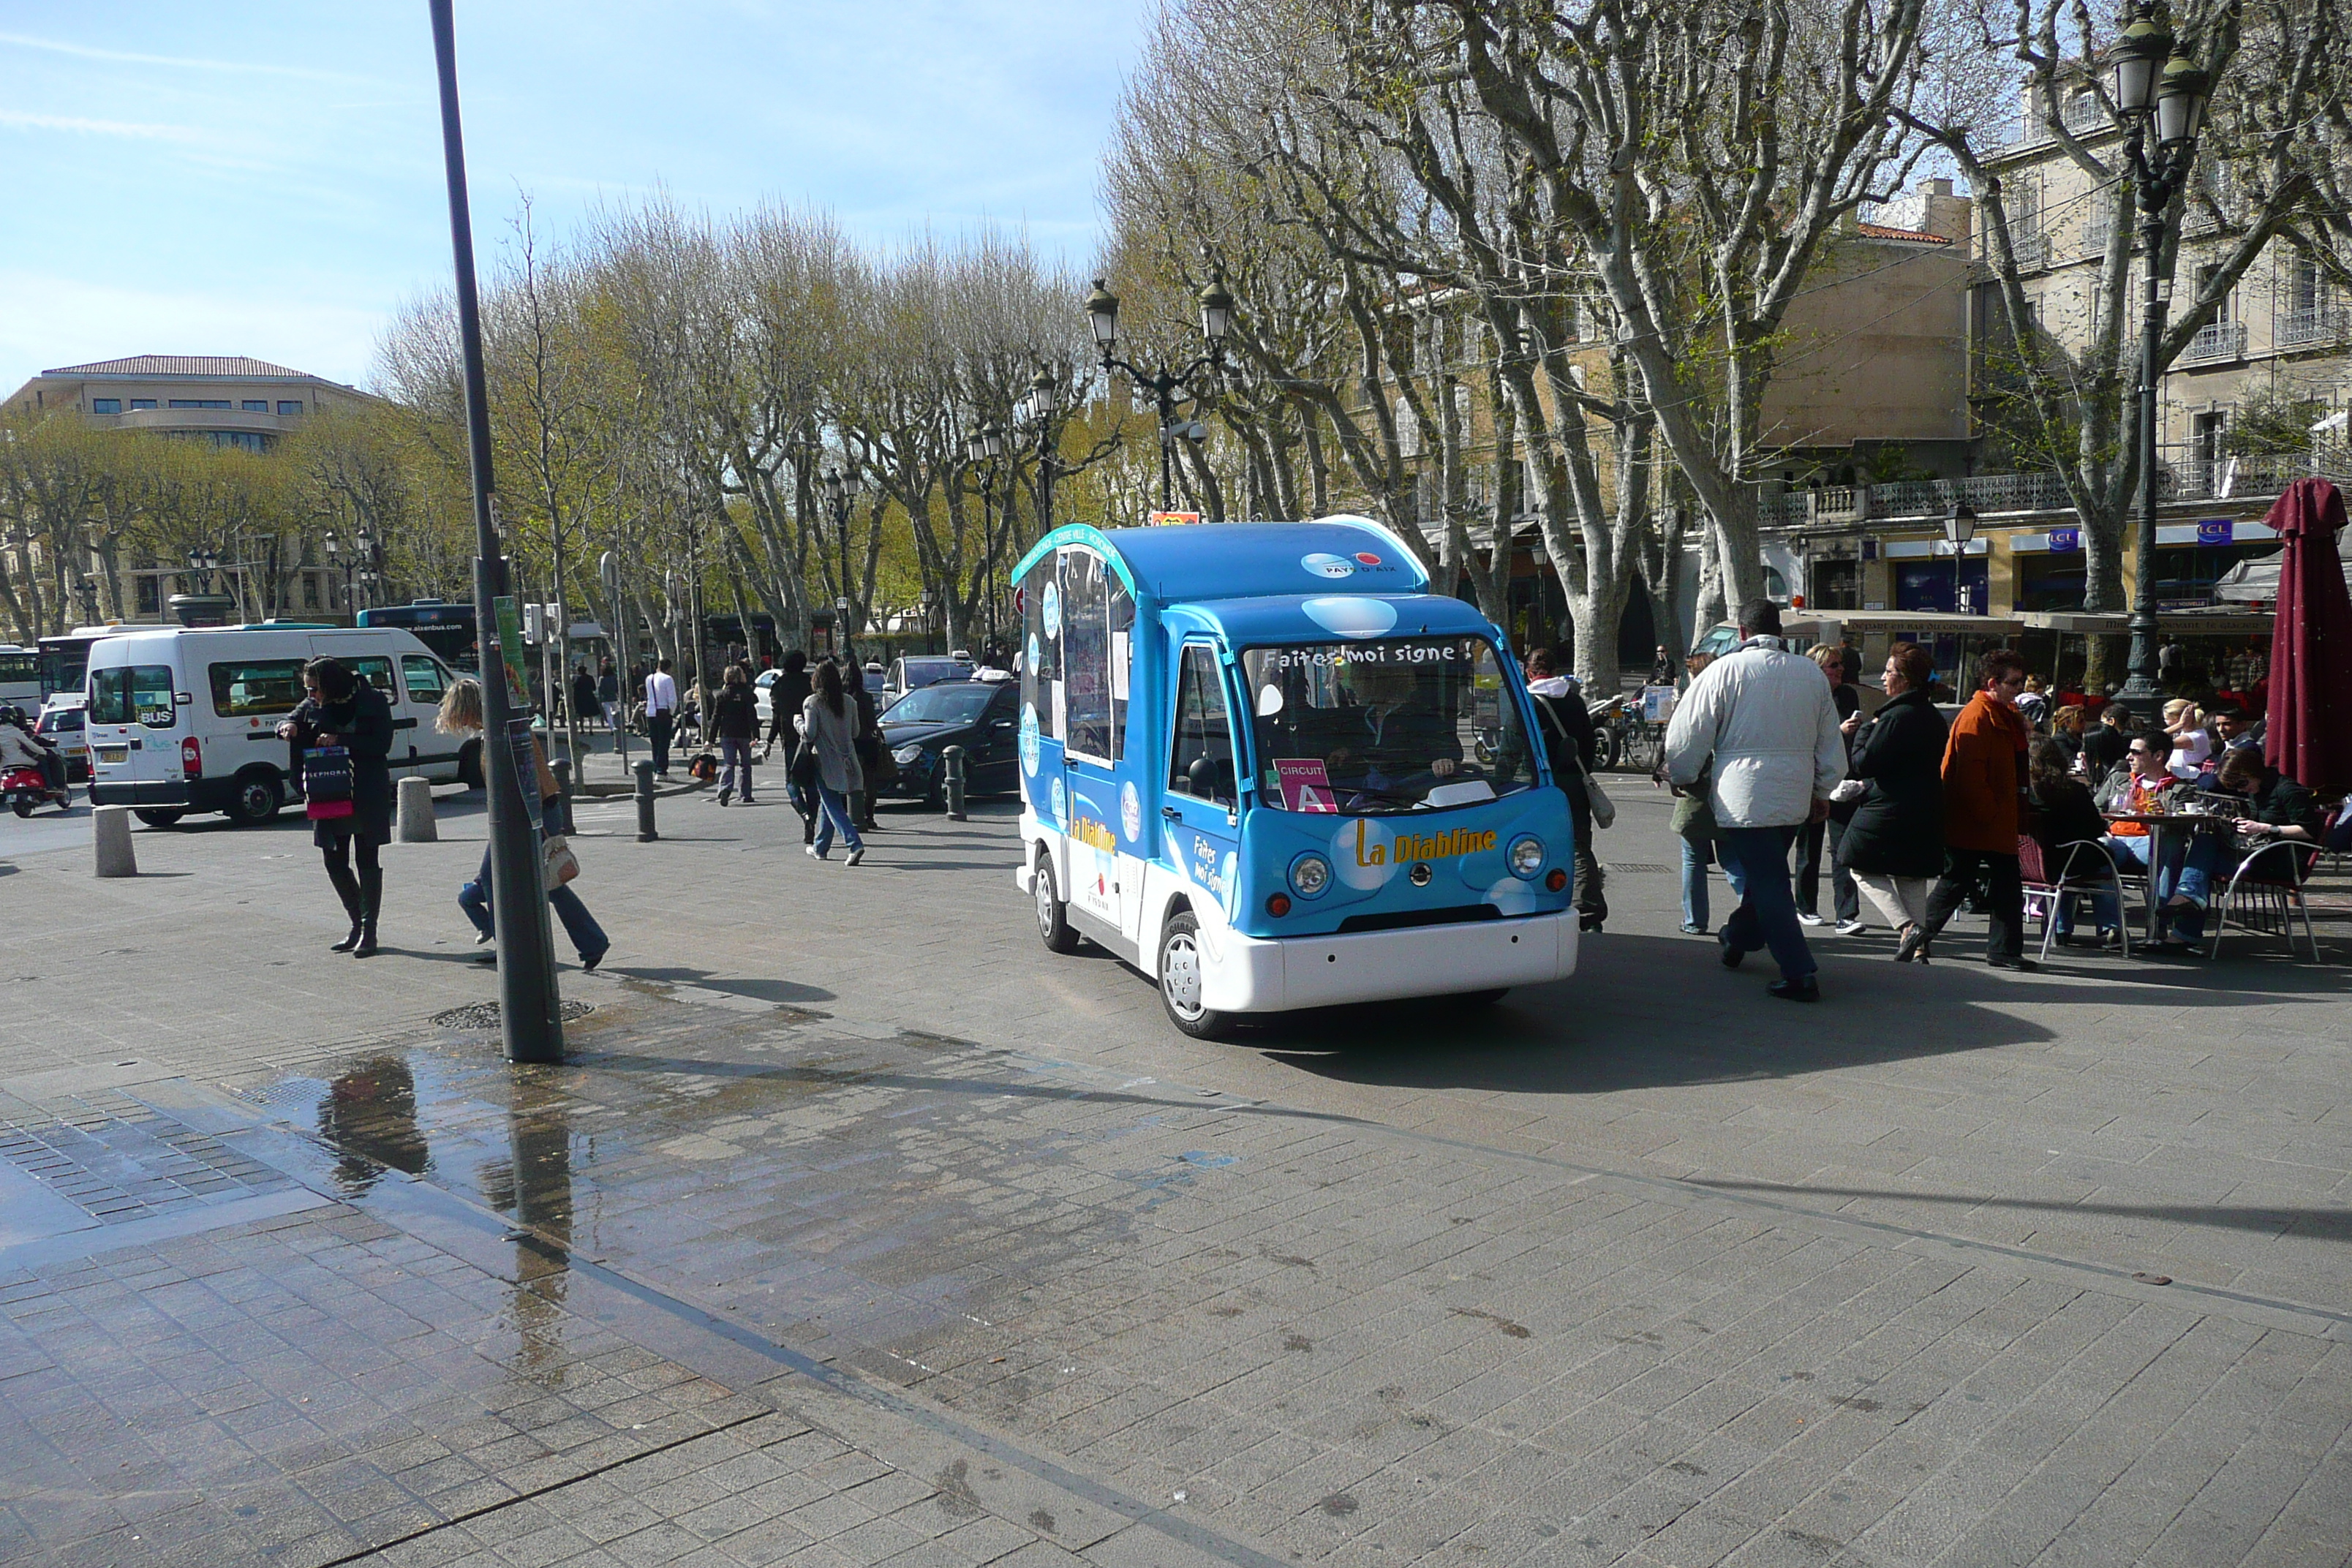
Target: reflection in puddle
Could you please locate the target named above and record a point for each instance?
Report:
(369, 1117)
(534, 1184)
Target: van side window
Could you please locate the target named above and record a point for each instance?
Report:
(1086, 654)
(376, 672)
(1201, 759)
(246, 687)
(424, 678)
(133, 694)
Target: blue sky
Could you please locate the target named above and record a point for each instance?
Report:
(264, 178)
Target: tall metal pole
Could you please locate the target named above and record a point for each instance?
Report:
(2141, 693)
(529, 1025)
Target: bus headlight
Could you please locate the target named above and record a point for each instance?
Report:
(1527, 855)
(1309, 875)
(907, 756)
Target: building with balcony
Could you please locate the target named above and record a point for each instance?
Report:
(224, 399)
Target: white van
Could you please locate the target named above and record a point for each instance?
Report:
(185, 719)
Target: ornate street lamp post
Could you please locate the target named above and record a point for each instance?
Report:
(1959, 527)
(2169, 102)
(1216, 321)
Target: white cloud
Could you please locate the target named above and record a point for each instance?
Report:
(26, 121)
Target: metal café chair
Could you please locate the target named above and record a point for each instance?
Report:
(2266, 893)
(2088, 869)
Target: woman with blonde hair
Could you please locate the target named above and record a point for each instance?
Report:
(461, 714)
(2192, 742)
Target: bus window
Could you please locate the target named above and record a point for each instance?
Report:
(1200, 759)
(245, 687)
(376, 672)
(1041, 648)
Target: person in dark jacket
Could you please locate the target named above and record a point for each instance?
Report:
(2065, 816)
(1564, 727)
(735, 718)
(1845, 902)
(1893, 844)
(868, 745)
(342, 710)
(585, 708)
(2106, 744)
(2277, 810)
(786, 697)
(608, 696)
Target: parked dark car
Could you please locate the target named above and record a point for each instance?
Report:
(982, 717)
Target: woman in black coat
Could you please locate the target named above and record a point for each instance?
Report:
(868, 743)
(786, 697)
(343, 710)
(1895, 843)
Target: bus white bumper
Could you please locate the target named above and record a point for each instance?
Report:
(1259, 975)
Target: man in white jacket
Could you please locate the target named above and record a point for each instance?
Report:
(1759, 723)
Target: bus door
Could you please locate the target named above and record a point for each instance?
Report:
(1200, 811)
(1105, 824)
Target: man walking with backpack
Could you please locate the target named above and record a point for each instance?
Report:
(1565, 727)
(1762, 726)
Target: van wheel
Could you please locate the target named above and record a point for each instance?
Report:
(469, 765)
(1181, 982)
(1479, 998)
(157, 818)
(258, 798)
(1053, 914)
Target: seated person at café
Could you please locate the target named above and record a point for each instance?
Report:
(2277, 809)
(2144, 786)
(2103, 746)
(2232, 731)
(2063, 816)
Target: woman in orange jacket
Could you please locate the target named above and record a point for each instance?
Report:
(1984, 782)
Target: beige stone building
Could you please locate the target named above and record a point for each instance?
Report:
(224, 401)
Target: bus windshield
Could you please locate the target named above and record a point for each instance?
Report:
(1406, 724)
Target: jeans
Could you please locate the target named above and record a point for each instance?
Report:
(833, 813)
(735, 768)
(1698, 856)
(658, 727)
(588, 938)
(1592, 881)
(1756, 859)
(1845, 902)
(2107, 901)
(2208, 855)
(2005, 937)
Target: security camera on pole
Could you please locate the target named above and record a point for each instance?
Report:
(530, 1023)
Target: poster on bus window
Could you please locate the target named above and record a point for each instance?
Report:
(1305, 784)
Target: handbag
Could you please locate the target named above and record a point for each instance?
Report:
(327, 782)
(1604, 810)
(1694, 810)
(557, 863)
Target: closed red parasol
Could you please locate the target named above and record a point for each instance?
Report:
(2311, 647)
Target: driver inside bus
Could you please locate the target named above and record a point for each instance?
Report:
(1390, 730)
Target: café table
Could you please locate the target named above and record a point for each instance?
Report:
(2159, 824)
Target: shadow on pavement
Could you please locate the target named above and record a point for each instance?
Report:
(2320, 1224)
(780, 992)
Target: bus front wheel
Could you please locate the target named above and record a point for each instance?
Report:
(1053, 914)
(1181, 982)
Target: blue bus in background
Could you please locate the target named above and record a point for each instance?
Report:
(445, 626)
(1264, 765)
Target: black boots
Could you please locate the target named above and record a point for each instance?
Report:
(372, 900)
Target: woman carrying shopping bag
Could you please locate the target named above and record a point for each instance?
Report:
(341, 734)
(461, 714)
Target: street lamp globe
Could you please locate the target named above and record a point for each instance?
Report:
(1045, 397)
(975, 447)
(2180, 101)
(1217, 312)
(332, 544)
(991, 439)
(834, 486)
(1959, 525)
(1102, 315)
(2133, 60)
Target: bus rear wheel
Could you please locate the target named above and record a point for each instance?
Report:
(1182, 982)
(258, 798)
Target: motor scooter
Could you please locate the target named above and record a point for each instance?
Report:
(25, 791)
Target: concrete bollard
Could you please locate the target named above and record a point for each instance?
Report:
(416, 824)
(116, 858)
(645, 834)
(951, 759)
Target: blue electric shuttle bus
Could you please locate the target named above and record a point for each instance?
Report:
(1264, 764)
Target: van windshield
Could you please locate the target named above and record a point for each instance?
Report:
(1406, 724)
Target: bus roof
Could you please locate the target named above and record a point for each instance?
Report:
(1245, 559)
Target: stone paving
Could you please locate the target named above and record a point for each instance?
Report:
(856, 1228)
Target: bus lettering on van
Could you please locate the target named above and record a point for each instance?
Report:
(1094, 835)
(1445, 846)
